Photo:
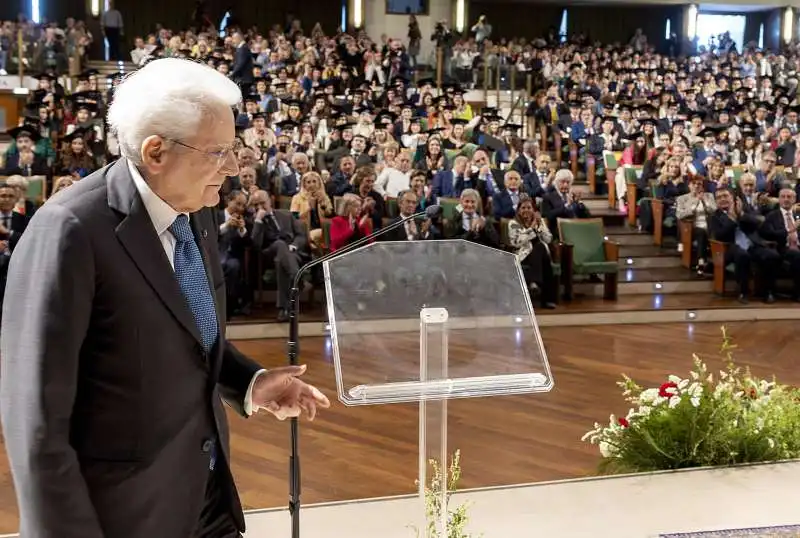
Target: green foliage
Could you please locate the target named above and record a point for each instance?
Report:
(702, 421)
(457, 517)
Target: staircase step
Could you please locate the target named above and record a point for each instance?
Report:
(642, 288)
(657, 274)
(630, 240)
(642, 251)
(650, 262)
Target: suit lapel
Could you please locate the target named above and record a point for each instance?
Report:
(139, 239)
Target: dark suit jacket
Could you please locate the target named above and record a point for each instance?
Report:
(109, 403)
(292, 231)
(399, 233)
(230, 243)
(553, 207)
(242, 70)
(521, 165)
(18, 225)
(502, 205)
(723, 228)
(487, 236)
(774, 229)
(38, 168)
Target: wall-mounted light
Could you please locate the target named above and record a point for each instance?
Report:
(358, 13)
(691, 22)
(36, 16)
(788, 24)
(95, 8)
(461, 15)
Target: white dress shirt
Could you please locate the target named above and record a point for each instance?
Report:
(162, 215)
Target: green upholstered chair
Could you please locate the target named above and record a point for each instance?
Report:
(449, 206)
(37, 189)
(632, 174)
(392, 209)
(611, 162)
(589, 253)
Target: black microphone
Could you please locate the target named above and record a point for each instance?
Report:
(293, 348)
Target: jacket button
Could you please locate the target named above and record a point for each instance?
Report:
(208, 444)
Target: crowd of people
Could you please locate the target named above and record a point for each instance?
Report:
(338, 136)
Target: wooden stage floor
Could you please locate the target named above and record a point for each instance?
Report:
(360, 452)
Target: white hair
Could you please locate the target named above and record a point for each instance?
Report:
(564, 175)
(166, 97)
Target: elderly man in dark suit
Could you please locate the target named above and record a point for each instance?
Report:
(414, 230)
(561, 201)
(282, 239)
(115, 363)
(781, 226)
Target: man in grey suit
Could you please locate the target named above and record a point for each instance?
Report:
(115, 363)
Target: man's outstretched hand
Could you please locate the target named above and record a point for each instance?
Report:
(280, 392)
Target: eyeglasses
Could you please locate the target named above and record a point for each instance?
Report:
(219, 157)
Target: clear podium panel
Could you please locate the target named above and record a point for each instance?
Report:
(385, 297)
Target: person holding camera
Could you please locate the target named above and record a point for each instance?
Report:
(482, 30)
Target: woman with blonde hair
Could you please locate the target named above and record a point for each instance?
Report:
(62, 183)
(351, 224)
(311, 205)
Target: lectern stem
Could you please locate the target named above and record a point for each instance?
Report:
(433, 450)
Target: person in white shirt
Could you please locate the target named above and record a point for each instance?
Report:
(396, 177)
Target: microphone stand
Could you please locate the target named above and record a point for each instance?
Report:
(293, 350)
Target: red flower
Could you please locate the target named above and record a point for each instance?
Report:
(662, 390)
(753, 393)
(623, 422)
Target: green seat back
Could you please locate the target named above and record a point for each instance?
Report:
(449, 207)
(632, 173)
(468, 150)
(610, 160)
(586, 237)
(284, 202)
(36, 189)
(392, 209)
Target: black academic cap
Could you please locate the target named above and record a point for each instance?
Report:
(286, 125)
(260, 115)
(293, 102)
(459, 121)
(723, 94)
(79, 132)
(252, 98)
(384, 115)
(575, 104)
(425, 82)
(90, 73)
(707, 132)
(609, 118)
(696, 114)
(434, 130)
(45, 76)
(512, 126)
(30, 131)
(345, 126)
(633, 136)
(648, 121)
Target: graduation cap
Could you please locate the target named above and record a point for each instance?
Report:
(696, 114)
(46, 76)
(79, 132)
(459, 121)
(425, 82)
(708, 132)
(384, 115)
(634, 136)
(252, 98)
(344, 126)
(260, 115)
(293, 102)
(513, 127)
(287, 125)
(648, 121)
(30, 131)
(434, 130)
(748, 130)
(90, 73)
(612, 119)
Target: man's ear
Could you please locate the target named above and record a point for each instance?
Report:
(153, 153)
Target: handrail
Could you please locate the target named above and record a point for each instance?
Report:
(20, 58)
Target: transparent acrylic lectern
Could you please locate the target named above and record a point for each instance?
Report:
(427, 321)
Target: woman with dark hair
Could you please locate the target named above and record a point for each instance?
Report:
(529, 236)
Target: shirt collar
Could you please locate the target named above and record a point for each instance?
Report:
(161, 213)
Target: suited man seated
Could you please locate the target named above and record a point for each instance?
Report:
(12, 225)
(781, 225)
(562, 201)
(756, 202)
(414, 230)
(282, 239)
(505, 201)
(469, 224)
(288, 177)
(233, 238)
(451, 183)
(540, 178)
(747, 249)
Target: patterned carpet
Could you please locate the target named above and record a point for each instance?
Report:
(791, 531)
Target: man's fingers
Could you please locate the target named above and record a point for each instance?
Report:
(319, 398)
(292, 371)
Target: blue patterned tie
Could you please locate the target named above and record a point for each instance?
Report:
(191, 275)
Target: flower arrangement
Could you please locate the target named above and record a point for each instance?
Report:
(457, 518)
(707, 419)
